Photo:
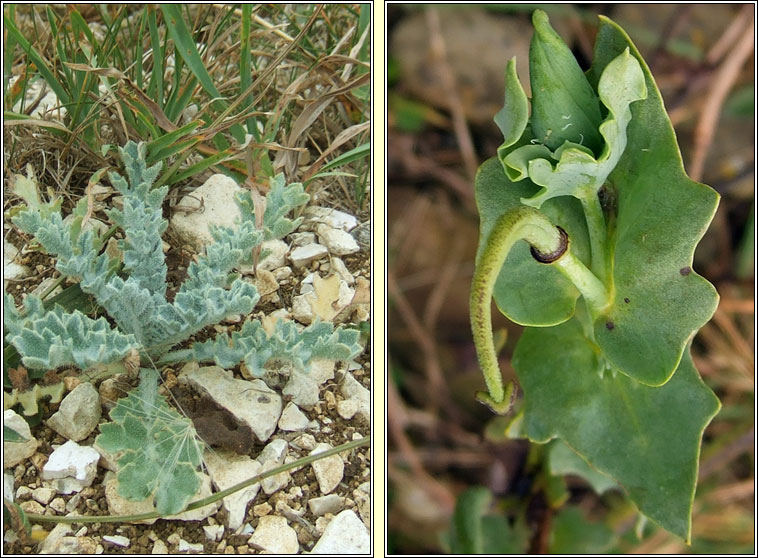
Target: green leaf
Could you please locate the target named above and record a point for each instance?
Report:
(562, 460)
(161, 451)
(647, 438)
(662, 215)
(526, 291)
(578, 173)
(573, 535)
(564, 106)
(10, 435)
(475, 531)
(513, 117)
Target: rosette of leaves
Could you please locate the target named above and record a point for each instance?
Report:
(610, 300)
(134, 295)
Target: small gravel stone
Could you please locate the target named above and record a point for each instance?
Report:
(43, 495)
(347, 408)
(275, 535)
(118, 540)
(329, 470)
(331, 503)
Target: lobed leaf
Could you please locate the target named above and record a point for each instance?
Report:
(661, 216)
(647, 438)
(54, 338)
(255, 347)
(161, 451)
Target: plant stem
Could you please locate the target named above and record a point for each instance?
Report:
(520, 223)
(593, 212)
(37, 518)
(592, 289)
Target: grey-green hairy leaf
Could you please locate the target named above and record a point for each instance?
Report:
(253, 346)
(160, 451)
(55, 338)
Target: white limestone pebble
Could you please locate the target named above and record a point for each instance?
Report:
(216, 205)
(159, 547)
(339, 243)
(303, 255)
(347, 408)
(185, 546)
(43, 494)
(292, 419)
(118, 540)
(332, 217)
(15, 452)
(8, 485)
(71, 467)
(274, 535)
(352, 389)
(271, 457)
(331, 503)
(345, 534)
(227, 469)
(213, 532)
(329, 470)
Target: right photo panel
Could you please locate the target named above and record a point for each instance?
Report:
(570, 285)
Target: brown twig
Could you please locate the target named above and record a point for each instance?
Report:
(721, 84)
(396, 425)
(727, 454)
(729, 36)
(437, 43)
(433, 368)
(738, 342)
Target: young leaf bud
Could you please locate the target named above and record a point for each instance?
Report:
(564, 106)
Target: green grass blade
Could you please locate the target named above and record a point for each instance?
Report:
(363, 150)
(39, 62)
(155, 88)
(186, 48)
(200, 166)
(246, 77)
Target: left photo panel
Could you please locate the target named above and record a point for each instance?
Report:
(187, 272)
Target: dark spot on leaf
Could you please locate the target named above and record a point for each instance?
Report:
(609, 325)
(626, 300)
(685, 270)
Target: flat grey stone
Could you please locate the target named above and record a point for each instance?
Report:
(227, 469)
(303, 255)
(218, 208)
(251, 402)
(275, 535)
(292, 419)
(71, 467)
(15, 452)
(78, 414)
